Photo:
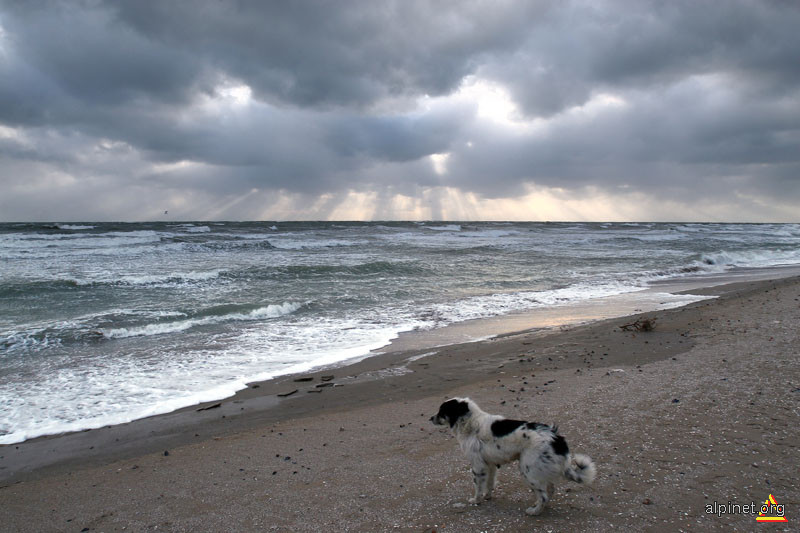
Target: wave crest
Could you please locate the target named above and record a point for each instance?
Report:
(161, 328)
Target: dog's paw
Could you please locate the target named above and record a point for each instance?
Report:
(476, 501)
(533, 511)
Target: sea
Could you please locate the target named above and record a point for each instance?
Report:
(104, 323)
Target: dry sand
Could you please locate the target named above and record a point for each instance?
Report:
(704, 409)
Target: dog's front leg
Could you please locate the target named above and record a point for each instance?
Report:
(480, 476)
(491, 482)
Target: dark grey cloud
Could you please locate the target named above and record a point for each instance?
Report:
(329, 53)
(647, 45)
(322, 54)
(211, 99)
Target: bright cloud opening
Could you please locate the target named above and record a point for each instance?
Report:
(8, 133)
(439, 162)
(228, 96)
(494, 103)
(236, 94)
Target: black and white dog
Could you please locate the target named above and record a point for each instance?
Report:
(491, 440)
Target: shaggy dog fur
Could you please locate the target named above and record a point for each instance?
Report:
(491, 440)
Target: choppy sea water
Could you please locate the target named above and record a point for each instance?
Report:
(106, 323)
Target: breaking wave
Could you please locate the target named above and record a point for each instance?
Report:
(160, 328)
(759, 258)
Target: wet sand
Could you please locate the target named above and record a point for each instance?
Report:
(703, 409)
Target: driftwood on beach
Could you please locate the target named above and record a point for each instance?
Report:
(640, 324)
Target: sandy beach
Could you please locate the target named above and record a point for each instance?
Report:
(700, 412)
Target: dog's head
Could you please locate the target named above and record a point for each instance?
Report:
(451, 411)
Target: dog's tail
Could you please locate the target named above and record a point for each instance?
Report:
(580, 469)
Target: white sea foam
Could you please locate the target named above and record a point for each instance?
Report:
(658, 237)
(133, 388)
(74, 227)
(107, 396)
(284, 243)
(82, 240)
(172, 278)
(457, 240)
(262, 313)
(448, 227)
(504, 303)
(759, 258)
(43, 334)
(175, 277)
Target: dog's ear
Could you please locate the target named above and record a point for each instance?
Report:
(452, 410)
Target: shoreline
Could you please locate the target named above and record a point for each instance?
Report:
(275, 399)
(287, 396)
(701, 410)
(659, 295)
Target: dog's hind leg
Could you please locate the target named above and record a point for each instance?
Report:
(535, 474)
(481, 477)
(541, 499)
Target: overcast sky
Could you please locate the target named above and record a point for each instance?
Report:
(463, 110)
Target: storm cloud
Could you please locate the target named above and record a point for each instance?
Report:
(525, 110)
